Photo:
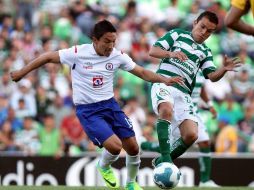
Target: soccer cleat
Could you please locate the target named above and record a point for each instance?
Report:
(133, 186)
(209, 183)
(109, 177)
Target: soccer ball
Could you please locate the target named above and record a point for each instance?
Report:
(166, 175)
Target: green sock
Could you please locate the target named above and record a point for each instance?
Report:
(163, 132)
(150, 146)
(178, 148)
(205, 163)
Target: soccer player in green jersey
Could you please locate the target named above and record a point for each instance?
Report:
(183, 53)
(203, 140)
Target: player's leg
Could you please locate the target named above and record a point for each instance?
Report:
(124, 130)
(102, 135)
(132, 162)
(189, 134)
(163, 127)
(150, 146)
(163, 101)
(112, 148)
(205, 160)
(186, 120)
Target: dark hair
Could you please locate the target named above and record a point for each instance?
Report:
(212, 17)
(101, 28)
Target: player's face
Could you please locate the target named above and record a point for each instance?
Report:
(202, 29)
(104, 46)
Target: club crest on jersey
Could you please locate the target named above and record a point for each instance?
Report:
(194, 46)
(97, 81)
(163, 92)
(109, 66)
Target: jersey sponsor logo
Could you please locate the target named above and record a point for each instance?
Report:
(109, 66)
(97, 81)
(184, 66)
(88, 65)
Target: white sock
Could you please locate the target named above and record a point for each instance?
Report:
(107, 159)
(132, 165)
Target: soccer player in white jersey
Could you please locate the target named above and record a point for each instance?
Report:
(183, 53)
(92, 70)
(203, 140)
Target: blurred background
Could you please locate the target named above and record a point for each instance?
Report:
(37, 116)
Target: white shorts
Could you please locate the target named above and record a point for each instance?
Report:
(202, 132)
(182, 103)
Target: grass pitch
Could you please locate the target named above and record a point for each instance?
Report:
(104, 188)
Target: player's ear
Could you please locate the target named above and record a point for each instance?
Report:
(95, 40)
(195, 23)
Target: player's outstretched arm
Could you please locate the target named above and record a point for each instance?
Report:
(229, 64)
(157, 52)
(233, 20)
(153, 77)
(49, 57)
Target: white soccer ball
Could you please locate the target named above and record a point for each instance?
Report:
(166, 175)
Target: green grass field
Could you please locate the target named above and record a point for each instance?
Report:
(104, 188)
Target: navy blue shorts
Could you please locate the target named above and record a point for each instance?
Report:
(101, 120)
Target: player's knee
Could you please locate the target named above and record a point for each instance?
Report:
(190, 137)
(133, 149)
(115, 148)
(166, 111)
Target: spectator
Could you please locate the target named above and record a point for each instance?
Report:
(136, 115)
(73, 134)
(27, 139)
(49, 136)
(7, 137)
(58, 110)
(226, 141)
(25, 92)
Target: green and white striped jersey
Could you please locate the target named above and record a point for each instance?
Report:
(199, 56)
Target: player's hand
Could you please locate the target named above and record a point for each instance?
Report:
(213, 112)
(179, 55)
(231, 64)
(174, 80)
(16, 75)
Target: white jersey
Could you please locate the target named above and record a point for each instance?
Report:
(92, 75)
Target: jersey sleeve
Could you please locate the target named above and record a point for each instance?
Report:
(167, 41)
(240, 4)
(67, 56)
(127, 64)
(207, 65)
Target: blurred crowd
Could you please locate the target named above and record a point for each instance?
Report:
(37, 116)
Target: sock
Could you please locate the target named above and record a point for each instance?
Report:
(150, 146)
(132, 165)
(163, 132)
(178, 148)
(107, 159)
(205, 163)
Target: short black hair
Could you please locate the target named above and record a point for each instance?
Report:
(101, 28)
(212, 17)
